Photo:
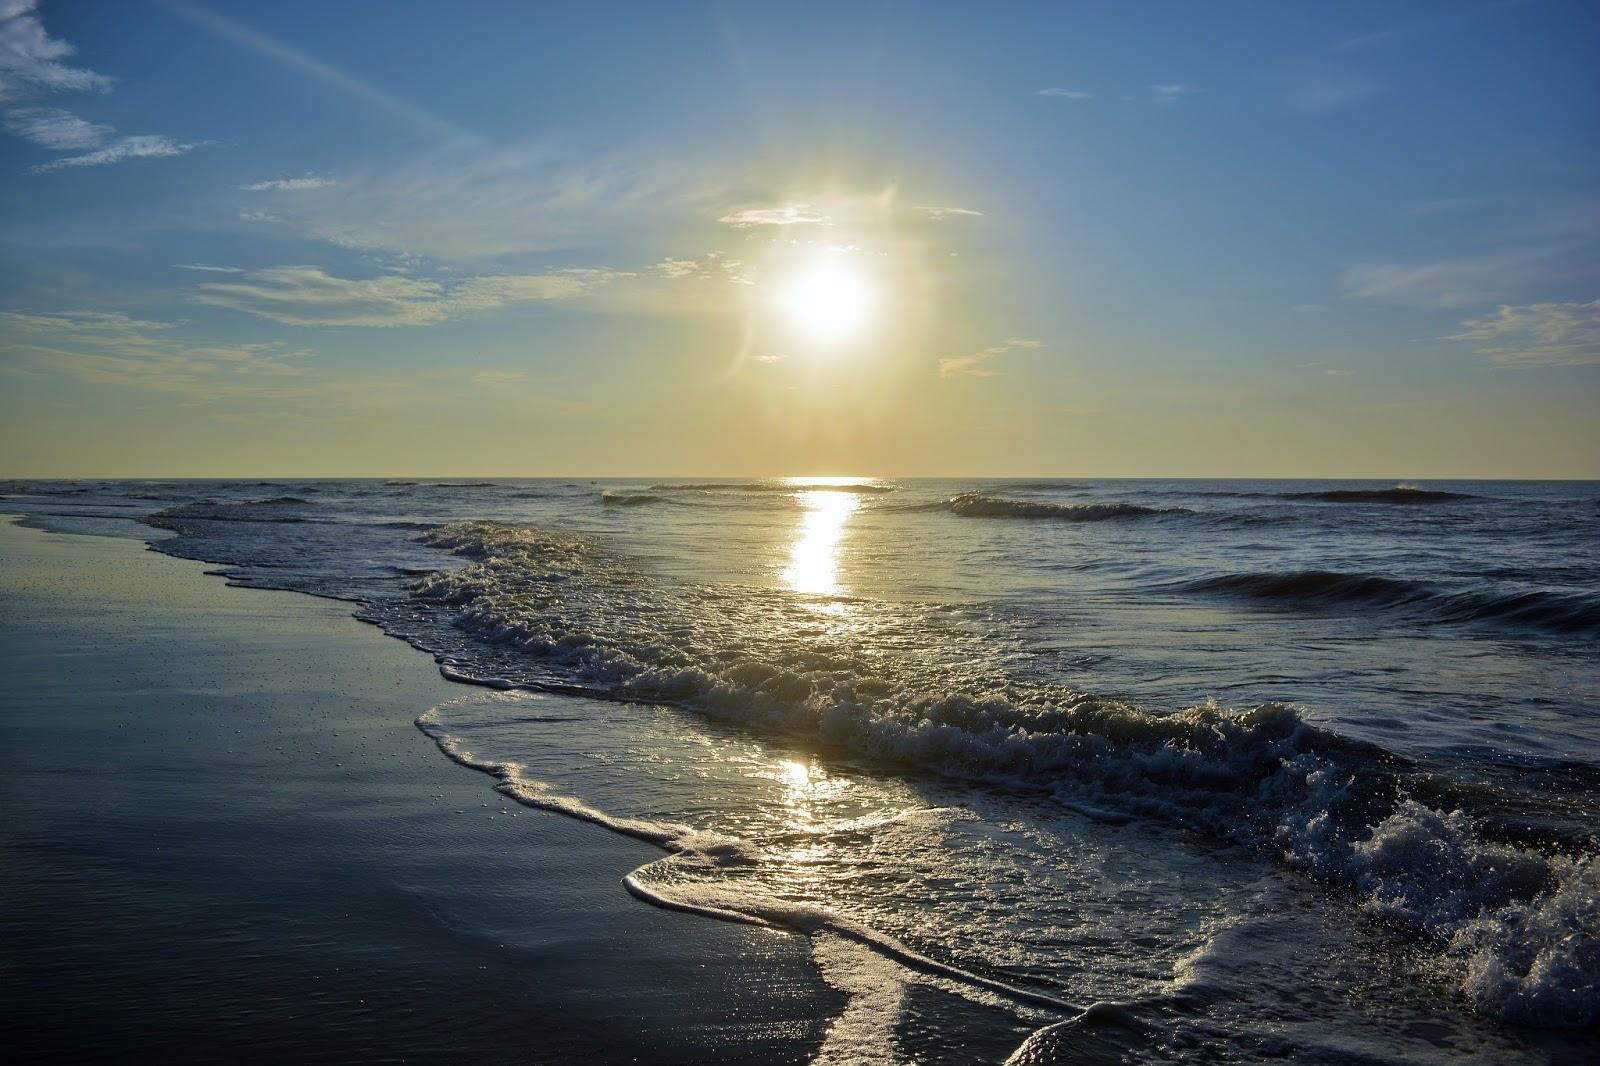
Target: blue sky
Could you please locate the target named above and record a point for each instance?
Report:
(1122, 239)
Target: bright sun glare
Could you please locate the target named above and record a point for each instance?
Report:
(827, 302)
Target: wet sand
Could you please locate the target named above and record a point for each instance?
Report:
(225, 838)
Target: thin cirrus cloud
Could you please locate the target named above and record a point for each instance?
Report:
(468, 205)
(111, 348)
(289, 185)
(53, 128)
(803, 214)
(981, 364)
(301, 63)
(1065, 94)
(1172, 92)
(30, 59)
(307, 296)
(143, 146)
(30, 66)
(1461, 282)
(1537, 335)
(787, 215)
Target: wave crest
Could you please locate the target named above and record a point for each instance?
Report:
(612, 498)
(1535, 609)
(982, 505)
(276, 509)
(1401, 494)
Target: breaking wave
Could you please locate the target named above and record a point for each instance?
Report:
(627, 499)
(980, 505)
(1519, 929)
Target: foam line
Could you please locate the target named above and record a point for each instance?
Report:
(683, 840)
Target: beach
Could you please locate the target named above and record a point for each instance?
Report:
(225, 838)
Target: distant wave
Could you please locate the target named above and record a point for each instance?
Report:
(396, 483)
(980, 505)
(627, 499)
(1040, 486)
(276, 509)
(1398, 494)
(1557, 612)
(768, 486)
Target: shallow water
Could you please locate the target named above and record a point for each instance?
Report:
(1301, 768)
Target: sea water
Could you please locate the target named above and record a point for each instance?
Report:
(1075, 770)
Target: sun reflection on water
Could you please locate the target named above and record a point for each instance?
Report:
(814, 557)
(809, 792)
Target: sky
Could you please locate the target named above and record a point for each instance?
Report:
(744, 239)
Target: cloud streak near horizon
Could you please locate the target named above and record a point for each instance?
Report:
(308, 296)
(981, 364)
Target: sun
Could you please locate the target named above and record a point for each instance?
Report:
(827, 301)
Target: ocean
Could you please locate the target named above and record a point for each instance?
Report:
(1060, 770)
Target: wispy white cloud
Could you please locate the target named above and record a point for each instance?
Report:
(979, 364)
(712, 266)
(678, 268)
(1066, 94)
(97, 323)
(1393, 34)
(30, 59)
(1537, 335)
(1444, 283)
(142, 146)
(469, 205)
(307, 296)
(53, 128)
(289, 185)
(209, 269)
(30, 66)
(939, 214)
(1172, 92)
(787, 215)
(110, 348)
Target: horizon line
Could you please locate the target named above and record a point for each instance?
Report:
(778, 477)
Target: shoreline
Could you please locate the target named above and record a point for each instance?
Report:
(229, 837)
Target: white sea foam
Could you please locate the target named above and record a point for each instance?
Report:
(703, 851)
(1517, 925)
(865, 1031)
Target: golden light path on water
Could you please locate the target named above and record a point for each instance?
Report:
(814, 557)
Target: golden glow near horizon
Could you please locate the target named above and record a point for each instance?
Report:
(814, 557)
